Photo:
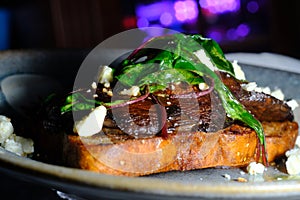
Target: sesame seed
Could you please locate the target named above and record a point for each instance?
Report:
(241, 179)
(110, 93)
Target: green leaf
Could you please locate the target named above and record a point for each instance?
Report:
(215, 52)
(165, 77)
(134, 73)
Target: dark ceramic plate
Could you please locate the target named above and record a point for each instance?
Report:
(21, 67)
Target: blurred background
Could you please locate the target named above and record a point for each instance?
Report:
(238, 25)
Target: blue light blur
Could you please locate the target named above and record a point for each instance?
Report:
(152, 12)
(216, 35)
(242, 30)
(238, 33)
(4, 29)
(142, 22)
(252, 6)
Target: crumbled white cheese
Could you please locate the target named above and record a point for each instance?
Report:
(94, 85)
(238, 72)
(27, 144)
(255, 168)
(278, 94)
(293, 161)
(252, 86)
(106, 76)
(91, 124)
(13, 146)
(266, 90)
(297, 144)
(292, 103)
(6, 128)
(249, 86)
(133, 91)
(202, 56)
(11, 142)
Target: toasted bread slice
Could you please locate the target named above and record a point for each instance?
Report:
(234, 146)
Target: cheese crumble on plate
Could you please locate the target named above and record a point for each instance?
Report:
(12, 142)
(293, 159)
(293, 156)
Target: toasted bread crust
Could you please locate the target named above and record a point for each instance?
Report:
(234, 146)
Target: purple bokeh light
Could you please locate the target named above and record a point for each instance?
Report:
(215, 34)
(166, 19)
(218, 6)
(186, 10)
(242, 30)
(221, 34)
(166, 13)
(153, 11)
(142, 22)
(231, 34)
(252, 7)
(238, 33)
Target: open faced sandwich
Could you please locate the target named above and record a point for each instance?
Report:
(175, 103)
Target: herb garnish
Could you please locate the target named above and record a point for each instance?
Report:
(173, 58)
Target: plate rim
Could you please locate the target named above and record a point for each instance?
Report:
(141, 184)
(147, 185)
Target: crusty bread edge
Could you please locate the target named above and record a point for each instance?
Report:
(234, 146)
